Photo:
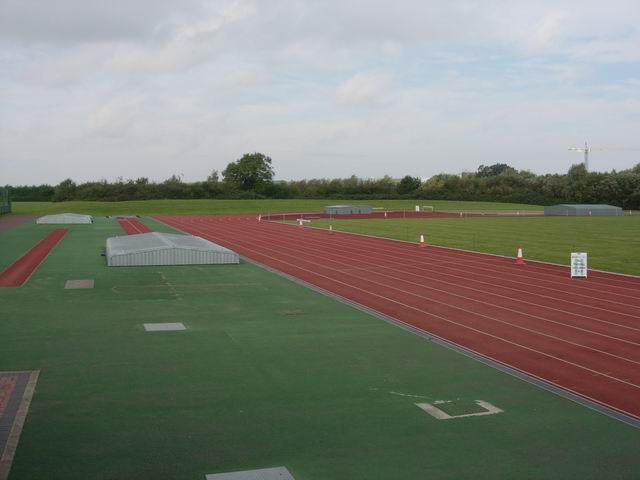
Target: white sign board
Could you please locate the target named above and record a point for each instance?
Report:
(578, 264)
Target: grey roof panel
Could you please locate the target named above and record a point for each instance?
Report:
(65, 218)
(278, 473)
(164, 327)
(157, 248)
(146, 242)
(586, 205)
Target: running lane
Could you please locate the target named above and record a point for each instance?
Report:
(580, 335)
(133, 226)
(19, 271)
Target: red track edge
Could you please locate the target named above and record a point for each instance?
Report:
(19, 271)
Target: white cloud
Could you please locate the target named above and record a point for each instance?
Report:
(81, 21)
(326, 88)
(364, 89)
(547, 32)
(112, 121)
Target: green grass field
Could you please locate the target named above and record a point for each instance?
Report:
(612, 243)
(193, 207)
(268, 373)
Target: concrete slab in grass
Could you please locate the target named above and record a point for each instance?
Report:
(278, 473)
(164, 327)
(74, 284)
(449, 409)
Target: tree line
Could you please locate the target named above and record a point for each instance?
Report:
(252, 176)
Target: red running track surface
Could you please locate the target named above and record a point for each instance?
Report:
(19, 271)
(580, 335)
(133, 227)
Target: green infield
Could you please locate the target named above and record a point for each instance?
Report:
(611, 242)
(203, 207)
(268, 373)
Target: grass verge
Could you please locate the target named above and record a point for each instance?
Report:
(611, 242)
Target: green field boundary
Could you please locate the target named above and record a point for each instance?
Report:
(229, 207)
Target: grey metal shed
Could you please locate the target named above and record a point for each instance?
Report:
(585, 210)
(347, 209)
(157, 248)
(65, 218)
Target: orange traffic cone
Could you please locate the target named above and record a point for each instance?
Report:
(421, 244)
(519, 257)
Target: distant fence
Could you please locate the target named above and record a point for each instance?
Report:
(5, 201)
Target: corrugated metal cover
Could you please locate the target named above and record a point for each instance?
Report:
(347, 209)
(570, 209)
(166, 249)
(278, 473)
(164, 327)
(65, 218)
(77, 284)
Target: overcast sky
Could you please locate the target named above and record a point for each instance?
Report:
(93, 89)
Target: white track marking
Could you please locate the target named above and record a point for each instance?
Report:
(625, 279)
(502, 296)
(468, 255)
(467, 310)
(404, 272)
(423, 265)
(442, 415)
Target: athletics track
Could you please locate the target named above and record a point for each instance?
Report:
(580, 335)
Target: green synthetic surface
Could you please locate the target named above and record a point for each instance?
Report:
(203, 207)
(268, 373)
(613, 243)
(460, 407)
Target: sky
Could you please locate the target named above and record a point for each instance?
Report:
(150, 88)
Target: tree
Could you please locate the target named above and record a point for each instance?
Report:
(408, 185)
(494, 170)
(214, 177)
(64, 190)
(577, 186)
(173, 187)
(251, 173)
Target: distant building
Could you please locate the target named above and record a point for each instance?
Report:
(583, 210)
(347, 209)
